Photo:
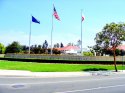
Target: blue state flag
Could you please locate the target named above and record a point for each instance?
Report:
(35, 20)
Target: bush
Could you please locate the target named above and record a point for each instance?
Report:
(55, 51)
(88, 54)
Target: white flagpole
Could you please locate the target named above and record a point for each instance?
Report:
(52, 33)
(30, 36)
(81, 32)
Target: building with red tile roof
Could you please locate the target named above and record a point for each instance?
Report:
(70, 49)
(121, 47)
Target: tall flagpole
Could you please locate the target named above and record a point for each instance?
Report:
(30, 36)
(81, 32)
(52, 33)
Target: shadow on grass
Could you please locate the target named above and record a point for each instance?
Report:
(95, 69)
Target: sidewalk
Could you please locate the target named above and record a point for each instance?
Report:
(20, 73)
(41, 74)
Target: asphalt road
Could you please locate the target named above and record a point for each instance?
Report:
(86, 84)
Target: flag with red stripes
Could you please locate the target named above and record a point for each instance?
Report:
(55, 14)
(83, 18)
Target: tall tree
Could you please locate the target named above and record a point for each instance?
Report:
(57, 45)
(61, 45)
(110, 37)
(2, 48)
(45, 45)
(39, 49)
(78, 43)
(35, 49)
(14, 47)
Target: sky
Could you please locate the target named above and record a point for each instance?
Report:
(15, 17)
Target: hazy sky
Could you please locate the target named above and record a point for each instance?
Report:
(15, 16)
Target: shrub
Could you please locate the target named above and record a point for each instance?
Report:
(87, 54)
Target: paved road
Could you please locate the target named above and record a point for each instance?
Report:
(88, 84)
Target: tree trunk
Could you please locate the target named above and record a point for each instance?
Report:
(115, 59)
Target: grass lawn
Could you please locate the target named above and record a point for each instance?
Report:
(42, 67)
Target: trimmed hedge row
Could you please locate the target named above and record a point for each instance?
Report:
(61, 61)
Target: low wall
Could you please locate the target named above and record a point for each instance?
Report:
(2, 55)
(64, 57)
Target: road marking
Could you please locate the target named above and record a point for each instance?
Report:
(83, 90)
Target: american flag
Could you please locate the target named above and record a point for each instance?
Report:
(55, 14)
(83, 18)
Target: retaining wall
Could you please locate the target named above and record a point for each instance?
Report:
(64, 57)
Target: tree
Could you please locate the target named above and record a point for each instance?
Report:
(61, 45)
(39, 46)
(111, 36)
(39, 49)
(2, 48)
(78, 43)
(70, 44)
(25, 49)
(35, 49)
(45, 45)
(15, 47)
(96, 49)
(56, 45)
(92, 50)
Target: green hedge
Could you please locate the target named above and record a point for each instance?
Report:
(61, 61)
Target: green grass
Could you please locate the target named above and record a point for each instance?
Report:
(42, 67)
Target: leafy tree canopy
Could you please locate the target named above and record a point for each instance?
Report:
(14, 47)
(45, 45)
(112, 35)
(2, 48)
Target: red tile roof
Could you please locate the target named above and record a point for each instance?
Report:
(121, 47)
(69, 48)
